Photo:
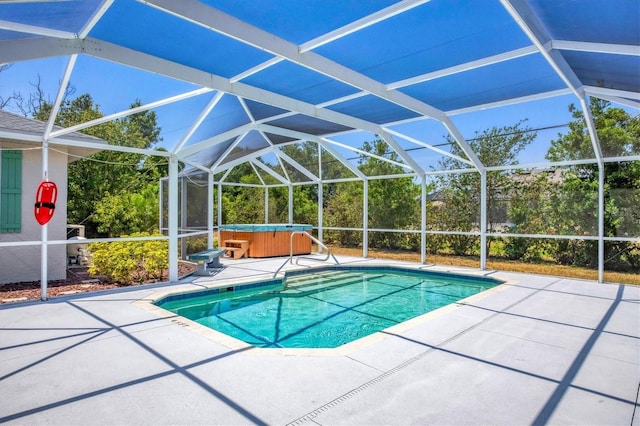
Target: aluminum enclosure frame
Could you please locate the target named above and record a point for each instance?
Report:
(25, 40)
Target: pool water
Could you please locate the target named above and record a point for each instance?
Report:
(324, 309)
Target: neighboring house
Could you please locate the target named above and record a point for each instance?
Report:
(20, 175)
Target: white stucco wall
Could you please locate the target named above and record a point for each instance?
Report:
(23, 263)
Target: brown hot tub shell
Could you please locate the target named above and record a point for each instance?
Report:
(268, 240)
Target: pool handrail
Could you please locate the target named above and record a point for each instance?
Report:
(315, 240)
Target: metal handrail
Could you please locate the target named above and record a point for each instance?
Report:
(315, 240)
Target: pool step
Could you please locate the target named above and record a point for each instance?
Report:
(298, 281)
(320, 282)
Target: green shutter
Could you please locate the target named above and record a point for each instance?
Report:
(11, 191)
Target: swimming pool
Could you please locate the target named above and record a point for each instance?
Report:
(323, 308)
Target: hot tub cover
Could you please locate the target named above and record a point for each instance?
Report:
(268, 227)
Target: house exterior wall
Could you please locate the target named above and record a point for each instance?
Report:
(22, 263)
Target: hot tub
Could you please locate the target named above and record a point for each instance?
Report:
(267, 240)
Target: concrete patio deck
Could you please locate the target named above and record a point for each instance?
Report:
(538, 350)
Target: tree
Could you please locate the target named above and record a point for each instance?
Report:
(107, 173)
(242, 204)
(128, 212)
(460, 192)
(532, 208)
(619, 136)
(393, 203)
(343, 209)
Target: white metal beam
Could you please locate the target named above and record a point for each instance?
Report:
(37, 48)
(231, 164)
(464, 145)
(365, 153)
(529, 23)
(97, 15)
(214, 140)
(583, 46)
(591, 127)
(367, 21)
(210, 212)
(389, 139)
(296, 165)
(246, 109)
(228, 150)
(106, 147)
(512, 101)
(491, 60)
(331, 150)
(35, 30)
(430, 147)
(253, 166)
(269, 170)
(483, 220)
(130, 111)
(59, 97)
(233, 27)
(260, 67)
(280, 162)
(342, 99)
(603, 91)
(198, 121)
(620, 101)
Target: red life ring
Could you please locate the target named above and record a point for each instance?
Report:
(45, 206)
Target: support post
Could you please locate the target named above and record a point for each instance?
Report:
(210, 210)
(183, 217)
(219, 208)
(290, 204)
(320, 217)
(266, 204)
(173, 218)
(365, 219)
(423, 221)
(320, 211)
(600, 222)
(483, 219)
(161, 205)
(597, 150)
(44, 230)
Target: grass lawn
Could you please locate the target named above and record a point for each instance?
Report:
(494, 263)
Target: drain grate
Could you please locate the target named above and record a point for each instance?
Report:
(353, 392)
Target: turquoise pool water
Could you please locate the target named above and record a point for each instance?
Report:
(323, 309)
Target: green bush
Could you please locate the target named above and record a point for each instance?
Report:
(126, 262)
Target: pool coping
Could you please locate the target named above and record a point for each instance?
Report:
(149, 304)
